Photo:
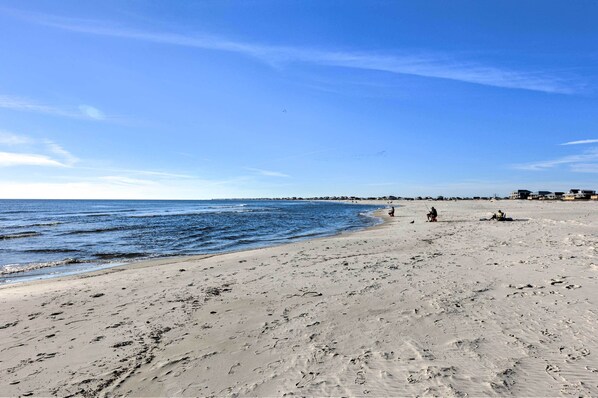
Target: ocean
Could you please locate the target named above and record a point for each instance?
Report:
(49, 238)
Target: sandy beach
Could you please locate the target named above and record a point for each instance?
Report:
(460, 307)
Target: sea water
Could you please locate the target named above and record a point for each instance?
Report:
(47, 238)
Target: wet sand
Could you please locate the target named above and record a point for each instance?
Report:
(453, 308)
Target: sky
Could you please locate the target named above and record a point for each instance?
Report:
(234, 99)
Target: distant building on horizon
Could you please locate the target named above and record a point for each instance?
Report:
(554, 196)
(540, 195)
(520, 194)
(579, 194)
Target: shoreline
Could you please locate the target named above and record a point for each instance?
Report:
(170, 260)
(103, 267)
(458, 307)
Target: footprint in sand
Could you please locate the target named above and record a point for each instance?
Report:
(122, 344)
(360, 378)
(520, 287)
(9, 324)
(575, 353)
(553, 371)
(572, 287)
(232, 368)
(306, 379)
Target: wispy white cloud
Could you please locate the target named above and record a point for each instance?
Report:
(123, 180)
(577, 162)
(104, 189)
(585, 167)
(141, 177)
(267, 173)
(581, 142)
(27, 105)
(11, 139)
(160, 173)
(91, 112)
(51, 154)
(425, 64)
(8, 159)
(22, 104)
(69, 158)
(140, 172)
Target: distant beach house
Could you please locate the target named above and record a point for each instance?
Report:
(579, 194)
(520, 194)
(540, 195)
(573, 194)
(554, 196)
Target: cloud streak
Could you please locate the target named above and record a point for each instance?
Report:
(11, 139)
(123, 180)
(583, 162)
(141, 172)
(581, 142)
(428, 65)
(268, 173)
(9, 159)
(26, 105)
(22, 104)
(91, 112)
(585, 167)
(63, 153)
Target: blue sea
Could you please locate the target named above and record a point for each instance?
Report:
(48, 238)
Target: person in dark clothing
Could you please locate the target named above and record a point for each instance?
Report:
(432, 215)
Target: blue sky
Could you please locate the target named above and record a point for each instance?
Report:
(217, 99)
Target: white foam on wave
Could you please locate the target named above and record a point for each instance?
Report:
(17, 235)
(370, 214)
(10, 269)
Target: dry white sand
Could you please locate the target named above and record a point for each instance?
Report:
(454, 308)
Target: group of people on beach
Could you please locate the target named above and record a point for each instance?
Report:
(433, 215)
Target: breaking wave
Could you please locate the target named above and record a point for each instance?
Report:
(11, 269)
(17, 235)
(113, 256)
(97, 230)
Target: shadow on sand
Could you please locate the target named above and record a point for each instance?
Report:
(484, 219)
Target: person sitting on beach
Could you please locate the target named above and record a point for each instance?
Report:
(432, 215)
(391, 212)
(499, 216)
